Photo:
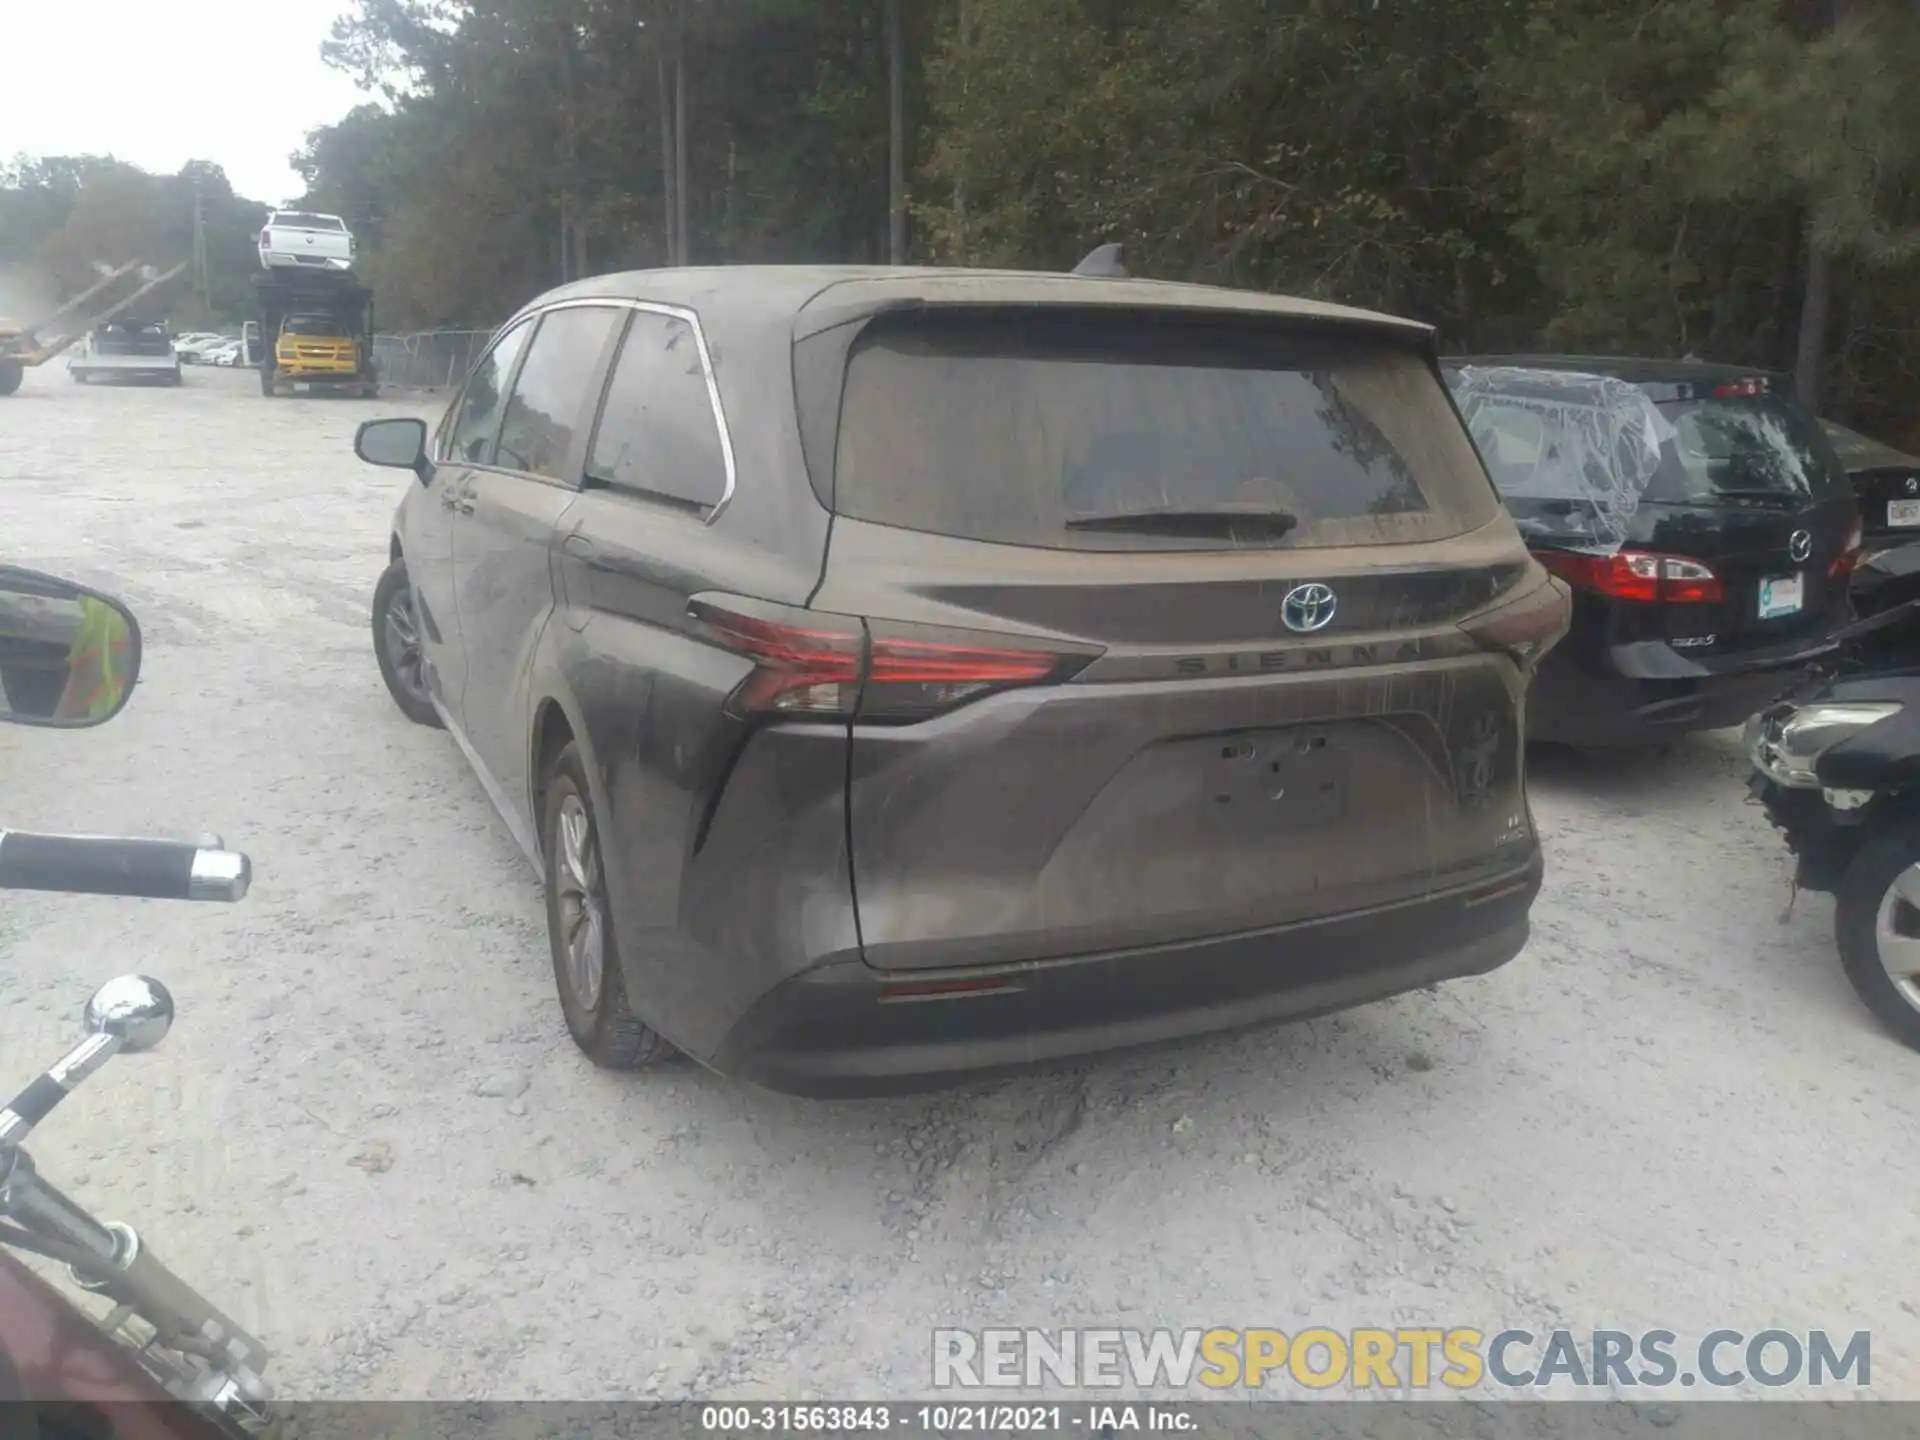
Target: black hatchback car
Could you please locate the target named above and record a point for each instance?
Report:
(1886, 482)
(899, 674)
(1701, 517)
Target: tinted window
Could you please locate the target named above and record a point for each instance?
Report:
(478, 421)
(550, 397)
(1766, 449)
(1133, 431)
(312, 325)
(295, 220)
(1560, 436)
(658, 433)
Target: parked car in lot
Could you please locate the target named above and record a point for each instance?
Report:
(1701, 517)
(302, 239)
(1886, 483)
(192, 348)
(897, 675)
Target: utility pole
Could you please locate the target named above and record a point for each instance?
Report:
(960, 180)
(200, 275)
(896, 136)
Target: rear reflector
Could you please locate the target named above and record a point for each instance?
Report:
(809, 664)
(1637, 575)
(950, 990)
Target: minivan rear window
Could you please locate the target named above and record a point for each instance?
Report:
(1574, 455)
(1763, 448)
(1143, 432)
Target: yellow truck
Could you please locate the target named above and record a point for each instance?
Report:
(322, 329)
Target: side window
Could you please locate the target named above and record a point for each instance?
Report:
(481, 403)
(549, 400)
(658, 433)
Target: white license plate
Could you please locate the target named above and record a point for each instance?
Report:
(1903, 512)
(1780, 597)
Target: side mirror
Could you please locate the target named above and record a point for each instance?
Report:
(399, 443)
(69, 656)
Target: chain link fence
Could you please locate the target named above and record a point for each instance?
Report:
(429, 359)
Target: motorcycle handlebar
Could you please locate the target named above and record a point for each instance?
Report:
(111, 865)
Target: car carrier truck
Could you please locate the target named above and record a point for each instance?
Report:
(316, 330)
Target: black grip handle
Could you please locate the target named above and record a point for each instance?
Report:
(107, 865)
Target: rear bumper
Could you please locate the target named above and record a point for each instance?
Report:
(1627, 701)
(131, 366)
(288, 260)
(847, 1029)
(308, 375)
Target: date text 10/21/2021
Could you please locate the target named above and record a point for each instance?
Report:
(1106, 1418)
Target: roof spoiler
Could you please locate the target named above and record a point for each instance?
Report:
(1108, 262)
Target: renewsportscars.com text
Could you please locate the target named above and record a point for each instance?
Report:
(1398, 1359)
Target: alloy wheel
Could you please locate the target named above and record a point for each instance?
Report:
(1896, 934)
(582, 903)
(403, 645)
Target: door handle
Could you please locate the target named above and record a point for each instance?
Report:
(578, 546)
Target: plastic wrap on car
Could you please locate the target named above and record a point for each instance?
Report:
(1605, 448)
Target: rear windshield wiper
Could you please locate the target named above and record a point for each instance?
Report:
(1189, 520)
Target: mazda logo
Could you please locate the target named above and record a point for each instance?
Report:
(1307, 608)
(1800, 546)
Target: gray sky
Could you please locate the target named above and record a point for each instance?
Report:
(161, 82)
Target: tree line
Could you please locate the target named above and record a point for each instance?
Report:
(1736, 179)
(63, 219)
(1733, 179)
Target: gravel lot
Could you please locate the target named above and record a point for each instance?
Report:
(1669, 1112)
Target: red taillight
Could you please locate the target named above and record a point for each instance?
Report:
(797, 669)
(1639, 575)
(1849, 558)
(1740, 389)
(812, 664)
(264, 236)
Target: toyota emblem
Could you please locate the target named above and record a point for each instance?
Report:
(1800, 546)
(1307, 608)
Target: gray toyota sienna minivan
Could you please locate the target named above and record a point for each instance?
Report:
(898, 675)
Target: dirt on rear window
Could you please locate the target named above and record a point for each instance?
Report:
(1144, 432)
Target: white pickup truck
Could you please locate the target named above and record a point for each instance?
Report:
(299, 239)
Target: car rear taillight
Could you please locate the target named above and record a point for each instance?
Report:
(1525, 627)
(1740, 389)
(1639, 575)
(807, 664)
(1848, 559)
(265, 235)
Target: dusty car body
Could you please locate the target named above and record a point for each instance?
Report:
(899, 675)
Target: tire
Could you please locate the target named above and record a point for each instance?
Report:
(598, 1017)
(396, 645)
(12, 372)
(1865, 890)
